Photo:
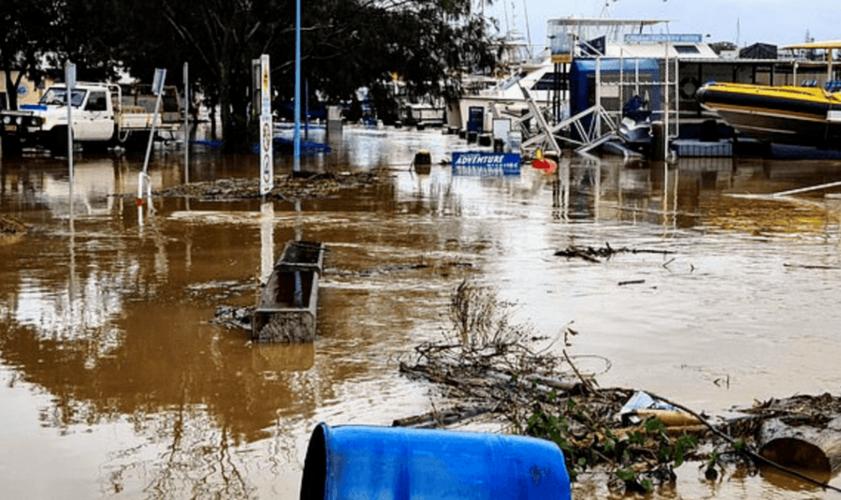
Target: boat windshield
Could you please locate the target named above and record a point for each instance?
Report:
(58, 97)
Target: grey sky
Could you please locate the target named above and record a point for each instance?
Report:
(775, 21)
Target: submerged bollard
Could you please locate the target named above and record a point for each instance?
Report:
(361, 462)
(422, 162)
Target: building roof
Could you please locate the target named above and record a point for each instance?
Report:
(826, 45)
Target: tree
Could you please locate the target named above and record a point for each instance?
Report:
(347, 44)
(24, 40)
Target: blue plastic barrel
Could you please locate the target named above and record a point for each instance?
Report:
(384, 463)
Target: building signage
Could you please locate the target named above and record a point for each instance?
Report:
(641, 38)
(485, 163)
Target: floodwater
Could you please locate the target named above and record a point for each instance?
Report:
(114, 382)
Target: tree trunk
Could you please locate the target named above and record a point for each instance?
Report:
(11, 89)
(234, 117)
(815, 449)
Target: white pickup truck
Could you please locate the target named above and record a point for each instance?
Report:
(103, 116)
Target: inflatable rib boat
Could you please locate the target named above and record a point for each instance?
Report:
(808, 116)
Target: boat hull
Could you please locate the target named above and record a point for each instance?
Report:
(786, 116)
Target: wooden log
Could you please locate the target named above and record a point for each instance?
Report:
(813, 449)
(669, 418)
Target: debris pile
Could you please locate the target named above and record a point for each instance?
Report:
(9, 226)
(491, 369)
(234, 318)
(286, 186)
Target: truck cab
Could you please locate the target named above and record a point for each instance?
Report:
(45, 123)
(103, 115)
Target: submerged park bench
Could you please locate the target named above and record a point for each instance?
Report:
(288, 305)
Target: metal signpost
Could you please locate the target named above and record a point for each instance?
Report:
(186, 123)
(143, 178)
(296, 162)
(266, 129)
(70, 84)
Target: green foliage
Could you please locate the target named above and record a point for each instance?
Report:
(638, 458)
(346, 44)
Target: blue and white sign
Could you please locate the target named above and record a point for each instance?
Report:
(641, 38)
(484, 163)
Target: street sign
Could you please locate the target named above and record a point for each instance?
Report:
(266, 156)
(158, 81)
(70, 75)
(266, 128)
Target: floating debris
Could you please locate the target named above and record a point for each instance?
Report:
(818, 267)
(494, 371)
(591, 254)
(9, 226)
(632, 282)
(234, 318)
(286, 186)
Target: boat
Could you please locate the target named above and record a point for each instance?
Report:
(635, 127)
(807, 116)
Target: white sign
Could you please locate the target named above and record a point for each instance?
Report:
(266, 129)
(158, 81)
(265, 86)
(266, 156)
(70, 75)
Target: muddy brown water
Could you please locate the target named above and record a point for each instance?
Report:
(114, 382)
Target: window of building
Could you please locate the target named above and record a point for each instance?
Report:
(687, 49)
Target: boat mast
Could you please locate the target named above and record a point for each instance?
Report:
(528, 28)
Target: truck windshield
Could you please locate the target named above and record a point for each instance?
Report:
(58, 97)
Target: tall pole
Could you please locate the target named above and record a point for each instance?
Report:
(296, 164)
(186, 123)
(158, 89)
(306, 109)
(69, 85)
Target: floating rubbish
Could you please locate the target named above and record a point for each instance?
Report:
(641, 401)
(397, 463)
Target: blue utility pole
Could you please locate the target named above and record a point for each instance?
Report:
(296, 165)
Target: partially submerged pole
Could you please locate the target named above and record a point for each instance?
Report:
(143, 180)
(296, 162)
(157, 89)
(70, 84)
(186, 123)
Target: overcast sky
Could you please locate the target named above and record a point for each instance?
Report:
(774, 21)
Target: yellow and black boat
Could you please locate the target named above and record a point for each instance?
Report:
(809, 116)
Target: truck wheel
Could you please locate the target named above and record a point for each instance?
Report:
(57, 141)
(11, 146)
(136, 141)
